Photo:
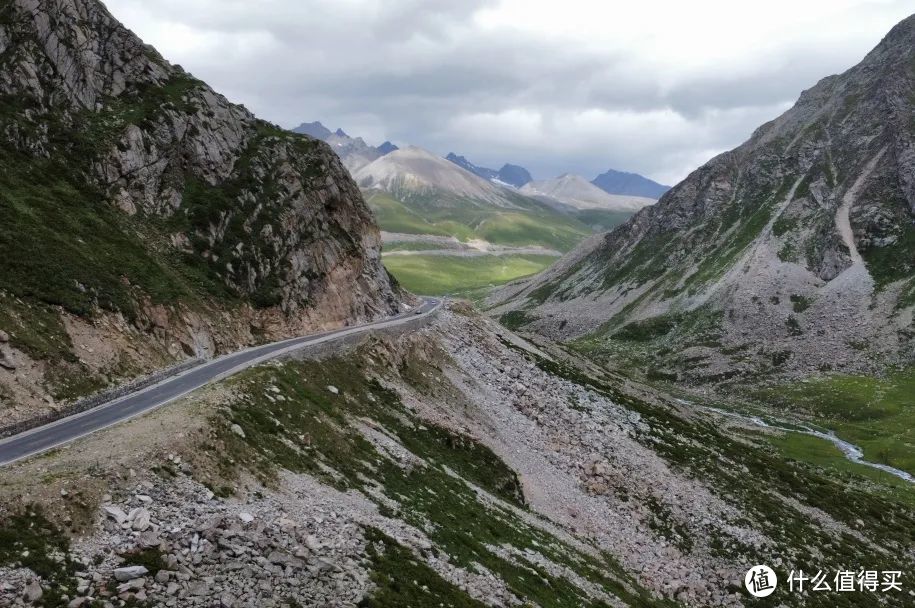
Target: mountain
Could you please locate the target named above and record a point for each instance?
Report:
(514, 175)
(577, 192)
(413, 172)
(353, 151)
(144, 219)
(313, 129)
(793, 253)
(387, 147)
(629, 184)
(510, 175)
(448, 230)
(463, 163)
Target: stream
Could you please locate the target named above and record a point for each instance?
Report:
(850, 450)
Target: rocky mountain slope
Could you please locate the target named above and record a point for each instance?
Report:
(795, 252)
(145, 219)
(630, 184)
(453, 465)
(577, 192)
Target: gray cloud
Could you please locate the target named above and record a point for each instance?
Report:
(437, 74)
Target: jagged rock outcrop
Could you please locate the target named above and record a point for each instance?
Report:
(793, 252)
(133, 190)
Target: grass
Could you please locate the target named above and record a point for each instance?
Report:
(439, 274)
(414, 246)
(601, 219)
(465, 219)
(877, 414)
(752, 475)
(397, 573)
(29, 540)
(823, 453)
(314, 430)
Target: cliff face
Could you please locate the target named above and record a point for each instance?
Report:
(146, 216)
(794, 252)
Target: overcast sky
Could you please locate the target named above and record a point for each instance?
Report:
(655, 87)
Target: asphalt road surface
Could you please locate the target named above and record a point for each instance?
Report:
(65, 430)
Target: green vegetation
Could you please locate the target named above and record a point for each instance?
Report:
(647, 329)
(29, 540)
(600, 220)
(444, 274)
(894, 262)
(414, 246)
(515, 319)
(738, 465)
(799, 303)
(531, 223)
(824, 454)
(402, 580)
(329, 435)
(395, 216)
(877, 414)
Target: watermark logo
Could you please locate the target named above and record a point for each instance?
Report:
(760, 581)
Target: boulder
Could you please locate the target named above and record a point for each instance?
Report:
(139, 519)
(115, 513)
(128, 573)
(33, 592)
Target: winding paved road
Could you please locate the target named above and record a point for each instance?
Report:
(63, 431)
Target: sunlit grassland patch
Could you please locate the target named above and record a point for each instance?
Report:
(445, 274)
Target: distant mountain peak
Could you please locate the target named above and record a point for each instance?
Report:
(462, 162)
(509, 175)
(515, 175)
(629, 184)
(576, 191)
(313, 129)
(340, 133)
(387, 147)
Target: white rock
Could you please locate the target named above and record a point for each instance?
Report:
(115, 513)
(245, 517)
(33, 592)
(129, 573)
(238, 431)
(333, 389)
(312, 543)
(139, 519)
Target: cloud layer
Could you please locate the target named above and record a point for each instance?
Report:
(655, 87)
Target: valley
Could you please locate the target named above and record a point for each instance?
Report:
(262, 367)
(415, 193)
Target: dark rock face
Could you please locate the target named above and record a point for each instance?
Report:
(465, 164)
(798, 246)
(630, 184)
(387, 147)
(509, 174)
(313, 129)
(514, 175)
(129, 185)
